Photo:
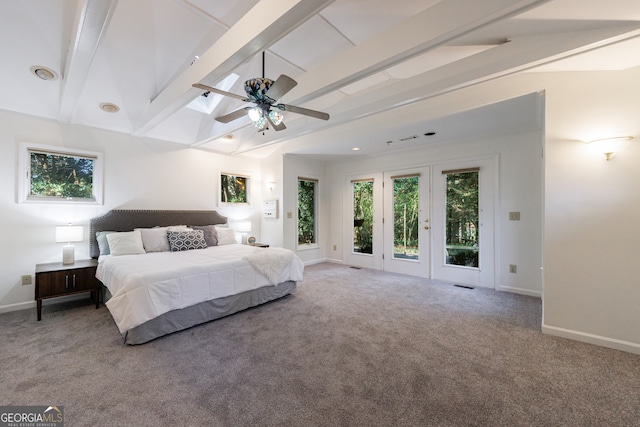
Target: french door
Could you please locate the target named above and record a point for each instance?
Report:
(388, 228)
(363, 227)
(396, 225)
(406, 221)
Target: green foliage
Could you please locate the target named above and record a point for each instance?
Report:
(234, 189)
(363, 217)
(462, 218)
(57, 175)
(306, 212)
(405, 214)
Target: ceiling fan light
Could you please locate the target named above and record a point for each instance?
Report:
(255, 114)
(260, 124)
(276, 117)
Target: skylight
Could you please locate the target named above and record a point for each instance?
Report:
(206, 104)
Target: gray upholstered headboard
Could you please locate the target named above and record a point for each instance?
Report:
(127, 220)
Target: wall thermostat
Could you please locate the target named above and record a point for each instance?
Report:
(270, 208)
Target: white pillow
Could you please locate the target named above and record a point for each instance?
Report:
(226, 236)
(154, 239)
(127, 243)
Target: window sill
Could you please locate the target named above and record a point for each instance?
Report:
(308, 247)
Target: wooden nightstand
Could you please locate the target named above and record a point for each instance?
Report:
(57, 279)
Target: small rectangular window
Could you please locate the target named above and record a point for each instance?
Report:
(307, 189)
(52, 174)
(234, 188)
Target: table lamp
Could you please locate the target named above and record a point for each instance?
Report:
(67, 234)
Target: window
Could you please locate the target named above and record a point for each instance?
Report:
(307, 188)
(463, 239)
(234, 188)
(54, 174)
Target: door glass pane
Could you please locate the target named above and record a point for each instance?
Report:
(462, 243)
(405, 217)
(363, 217)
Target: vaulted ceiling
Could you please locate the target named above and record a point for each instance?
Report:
(354, 59)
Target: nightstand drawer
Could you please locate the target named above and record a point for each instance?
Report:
(63, 282)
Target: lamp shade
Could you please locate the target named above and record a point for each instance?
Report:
(244, 226)
(69, 233)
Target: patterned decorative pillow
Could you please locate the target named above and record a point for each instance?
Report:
(209, 233)
(186, 240)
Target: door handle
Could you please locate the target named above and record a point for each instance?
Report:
(426, 227)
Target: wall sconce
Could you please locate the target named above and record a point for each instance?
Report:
(609, 146)
(67, 234)
(270, 185)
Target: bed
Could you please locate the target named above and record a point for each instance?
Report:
(152, 292)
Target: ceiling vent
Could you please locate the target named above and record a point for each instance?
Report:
(409, 138)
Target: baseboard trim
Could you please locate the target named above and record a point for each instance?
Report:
(520, 291)
(32, 304)
(17, 307)
(315, 261)
(613, 343)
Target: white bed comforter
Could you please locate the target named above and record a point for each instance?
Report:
(149, 285)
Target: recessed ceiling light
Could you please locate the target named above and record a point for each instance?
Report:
(43, 73)
(228, 137)
(109, 107)
(355, 149)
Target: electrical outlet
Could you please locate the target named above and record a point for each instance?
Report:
(26, 279)
(334, 247)
(513, 268)
(514, 216)
(289, 215)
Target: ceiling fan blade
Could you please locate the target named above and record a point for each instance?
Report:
(276, 127)
(305, 111)
(221, 92)
(233, 115)
(280, 87)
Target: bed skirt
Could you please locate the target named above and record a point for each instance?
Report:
(178, 320)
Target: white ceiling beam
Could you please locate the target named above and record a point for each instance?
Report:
(515, 56)
(91, 21)
(262, 26)
(433, 27)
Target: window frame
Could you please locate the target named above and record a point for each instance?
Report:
(315, 244)
(247, 177)
(24, 174)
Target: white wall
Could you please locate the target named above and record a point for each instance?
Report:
(272, 171)
(295, 167)
(592, 230)
(139, 174)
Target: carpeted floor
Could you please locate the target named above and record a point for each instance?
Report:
(350, 348)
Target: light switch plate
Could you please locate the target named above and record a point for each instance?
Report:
(514, 216)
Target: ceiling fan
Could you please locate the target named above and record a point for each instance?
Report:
(264, 93)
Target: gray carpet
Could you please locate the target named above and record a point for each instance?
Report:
(350, 348)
